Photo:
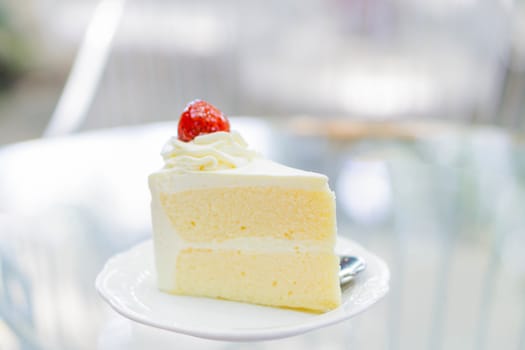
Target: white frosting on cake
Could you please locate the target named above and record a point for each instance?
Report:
(209, 152)
(224, 160)
(258, 172)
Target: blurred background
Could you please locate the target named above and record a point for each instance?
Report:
(459, 60)
(415, 109)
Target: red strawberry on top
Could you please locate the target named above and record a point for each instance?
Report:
(201, 118)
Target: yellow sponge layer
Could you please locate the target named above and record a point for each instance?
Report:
(225, 213)
(295, 280)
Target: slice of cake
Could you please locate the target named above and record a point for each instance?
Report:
(229, 224)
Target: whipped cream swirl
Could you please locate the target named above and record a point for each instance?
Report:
(215, 151)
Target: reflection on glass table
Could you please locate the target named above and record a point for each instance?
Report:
(443, 204)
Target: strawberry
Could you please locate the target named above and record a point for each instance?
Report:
(200, 118)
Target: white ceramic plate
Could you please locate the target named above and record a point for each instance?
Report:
(128, 284)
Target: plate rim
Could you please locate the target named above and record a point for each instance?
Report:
(268, 333)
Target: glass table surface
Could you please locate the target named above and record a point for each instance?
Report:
(444, 208)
